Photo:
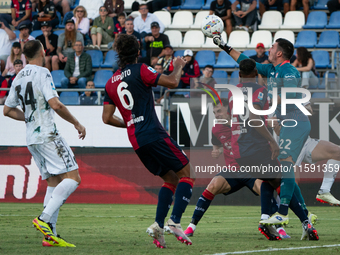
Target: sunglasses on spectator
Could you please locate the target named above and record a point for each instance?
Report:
(80, 11)
(143, 8)
(103, 10)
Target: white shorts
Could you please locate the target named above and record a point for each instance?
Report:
(306, 152)
(53, 158)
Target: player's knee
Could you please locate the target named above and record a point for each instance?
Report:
(335, 152)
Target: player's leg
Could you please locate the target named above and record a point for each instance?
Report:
(218, 185)
(324, 194)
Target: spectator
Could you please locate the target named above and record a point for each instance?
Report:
(82, 23)
(206, 78)
(78, 69)
(296, 4)
(155, 42)
(64, 6)
(158, 91)
(333, 5)
(222, 9)
(159, 68)
(50, 43)
(24, 35)
(136, 4)
(305, 64)
(7, 36)
(166, 60)
(16, 53)
(142, 23)
(246, 15)
(92, 8)
(266, 4)
(158, 5)
(114, 7)
(46, 12)
(21, 13)
(120, 25)
(190, 70)
(260, 56)
(7, 82)
(89, 97)
(102, 30)
(129, 30)
(65, 45)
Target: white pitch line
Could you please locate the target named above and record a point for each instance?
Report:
(280, 249)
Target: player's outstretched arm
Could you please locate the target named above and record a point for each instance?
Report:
(14, 113)
(171, 81)
(109, 118)
(217, 39)
(64, 113)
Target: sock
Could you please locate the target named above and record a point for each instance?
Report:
(265, 216)
(193, 226)
(202, 206)
(165, 197)
(299, 197)
(182, 198)
(328, 177)
(63, 190)
(297, 209)
(266, 196)
(287, 187)
(54, 217)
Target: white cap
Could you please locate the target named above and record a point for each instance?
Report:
(188, 53)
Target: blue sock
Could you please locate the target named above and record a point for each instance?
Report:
(297, 209)
(164, 202)
(266, 197)
(202, 206)
(182, 198)
(287, 186)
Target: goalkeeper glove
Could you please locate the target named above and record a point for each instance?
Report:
(217, 39)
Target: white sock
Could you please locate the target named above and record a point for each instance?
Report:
(193, 226)
(329, 177)
(63, 190)
(264, 216)
(54, 217)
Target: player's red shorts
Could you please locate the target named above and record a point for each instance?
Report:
(161, 156)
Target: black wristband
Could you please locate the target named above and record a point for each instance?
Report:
(226, 48)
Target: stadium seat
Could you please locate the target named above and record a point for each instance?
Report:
(36, 33)
(262, 36)
(328, 39)
(182, 19)
(321, 5)
(319, 95)
(16, 32)
(198, 19)
(205, 57)
(321, 59)
(330, 77)
(175, 37)
(224, 60)
(164, 17)
(58, 32)
(110, 59)
(316, 20)
(193, 39)
(57, 76)
(76, 3)
(60, 25)
(96, 56)
(209, 41)
(293, 19)
(271, 20)
(192, 5)
(334, 20)
(179, 53)
(234, 78)
(219, 74)
(69, 97)
(238, 39)
(286, 34)
(128, 4)
(249, 53)
(207, 5)
(101, 77)
(135, 14)
(306, 39)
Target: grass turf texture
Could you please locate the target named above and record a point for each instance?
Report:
(120, 229)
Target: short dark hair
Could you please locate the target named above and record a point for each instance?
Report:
(225, 102)
(17, 62)
(247, 67)
(31, 49)
(127, 48)
(122, 14)
(209, 66)
(286, 47)
(159, 65)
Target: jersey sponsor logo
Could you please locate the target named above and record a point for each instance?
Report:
(272, 73)
(135, 120)
(289, 76)
(151, 69)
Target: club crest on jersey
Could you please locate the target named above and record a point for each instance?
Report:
(152, 70)
(260, 96)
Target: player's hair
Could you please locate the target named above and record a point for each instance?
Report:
(248, 67)
(209, 66)
(127, 48)
(286, 47)
(303, 55)
(225, 102)
(32, 49)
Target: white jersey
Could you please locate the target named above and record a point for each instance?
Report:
(32, 88)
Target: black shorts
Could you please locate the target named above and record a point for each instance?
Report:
(237, 181)
(161, 156)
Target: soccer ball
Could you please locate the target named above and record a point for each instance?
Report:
(212, 25)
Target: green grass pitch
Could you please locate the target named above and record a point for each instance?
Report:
(120, 229)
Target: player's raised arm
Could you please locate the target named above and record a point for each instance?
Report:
(171, 81)
(64, 113)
